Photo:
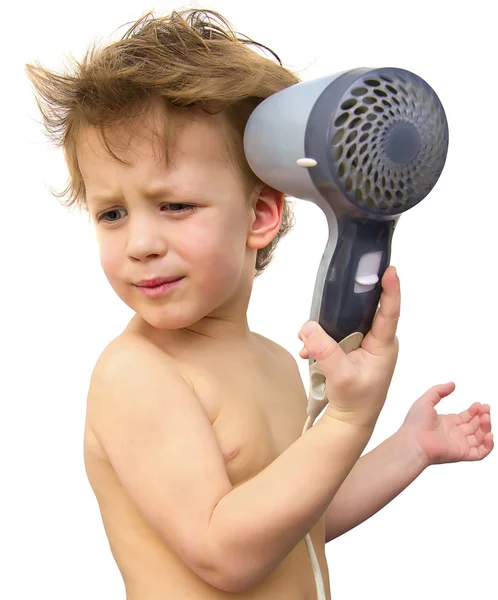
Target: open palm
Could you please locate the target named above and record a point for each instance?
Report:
(449, 438)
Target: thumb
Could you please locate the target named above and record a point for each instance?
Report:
(325, 350)
(437, 392)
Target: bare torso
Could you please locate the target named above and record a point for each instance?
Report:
(256, 403)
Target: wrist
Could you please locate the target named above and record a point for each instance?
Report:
(348, 428)
(355, 420)
(410, 448)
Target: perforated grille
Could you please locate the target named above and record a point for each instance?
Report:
(376, 108)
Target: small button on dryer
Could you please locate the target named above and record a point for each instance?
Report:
(367, 274)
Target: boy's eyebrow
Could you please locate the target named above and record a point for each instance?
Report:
(151, 193)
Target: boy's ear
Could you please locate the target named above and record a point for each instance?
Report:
(266, 217)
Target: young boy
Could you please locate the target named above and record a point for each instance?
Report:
(193, 442)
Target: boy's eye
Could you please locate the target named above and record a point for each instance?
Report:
(107, 216)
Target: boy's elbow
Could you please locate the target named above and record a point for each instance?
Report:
(239, 576)
(222, 578)
(236, 583)
(226, 573)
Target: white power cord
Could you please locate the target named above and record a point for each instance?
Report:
(317, 401)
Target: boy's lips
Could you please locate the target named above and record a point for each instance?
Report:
(149, 283)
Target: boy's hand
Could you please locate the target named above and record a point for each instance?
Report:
(357, 382)
(448, 438)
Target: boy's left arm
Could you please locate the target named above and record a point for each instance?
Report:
(424, 439)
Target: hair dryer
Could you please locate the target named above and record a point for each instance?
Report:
(365, 145)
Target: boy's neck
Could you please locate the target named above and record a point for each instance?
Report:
(206, 331)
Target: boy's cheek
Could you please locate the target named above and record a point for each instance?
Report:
(108, 263)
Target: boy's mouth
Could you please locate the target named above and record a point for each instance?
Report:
(150, 283)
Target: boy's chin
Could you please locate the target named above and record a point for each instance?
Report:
(163, 318)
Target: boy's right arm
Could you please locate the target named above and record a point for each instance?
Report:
(161, 444)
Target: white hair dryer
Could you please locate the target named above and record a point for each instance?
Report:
(364, 145)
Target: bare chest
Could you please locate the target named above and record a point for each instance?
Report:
(256, 413)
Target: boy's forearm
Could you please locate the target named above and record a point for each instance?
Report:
(257, 524)
(375, 480)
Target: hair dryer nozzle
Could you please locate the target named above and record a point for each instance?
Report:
(387, 140)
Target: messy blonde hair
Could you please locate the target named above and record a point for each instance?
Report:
(189, 60)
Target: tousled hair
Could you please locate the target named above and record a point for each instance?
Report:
(187, 61)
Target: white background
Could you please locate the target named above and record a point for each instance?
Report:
(438, 539)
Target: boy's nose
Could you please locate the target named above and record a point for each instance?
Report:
(146, 239)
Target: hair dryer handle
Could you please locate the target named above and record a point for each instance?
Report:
(343, 310)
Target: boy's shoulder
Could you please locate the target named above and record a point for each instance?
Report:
(129, 350)
(126, 358)
(279, 351)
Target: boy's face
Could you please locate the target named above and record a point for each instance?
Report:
(144, 230)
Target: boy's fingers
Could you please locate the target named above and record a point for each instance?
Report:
(385, 323)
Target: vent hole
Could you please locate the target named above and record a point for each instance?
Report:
(364, 136)
(358, 196)
(351, 136)
(342, 169)
(372, 82)
(399, 195)
(359, 91)
(386, 78)
(369, 100)
(360, 110)
(338, 136)
(341, 119)
(338, 153)
(392, 89)
(380, 93)
(354, 122)
(349, 184)
(351, 151)
(349, 103)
